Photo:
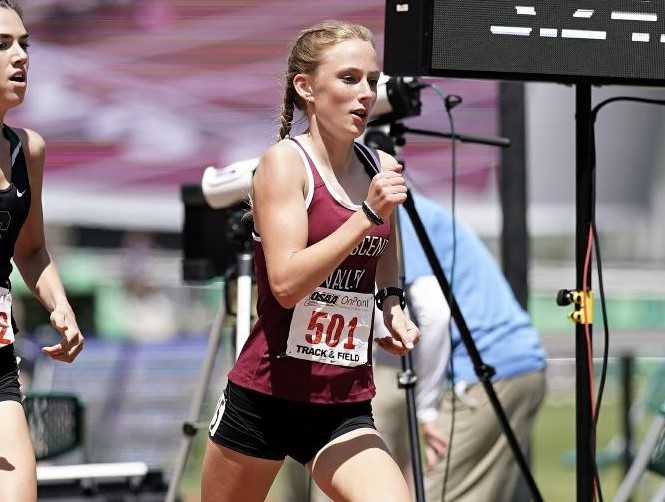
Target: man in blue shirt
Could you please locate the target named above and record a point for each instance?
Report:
(482, 467)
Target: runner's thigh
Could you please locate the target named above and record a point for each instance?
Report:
(229, 476)
(356, 467)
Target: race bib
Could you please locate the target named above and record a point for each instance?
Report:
(6, 329)
(331, 327)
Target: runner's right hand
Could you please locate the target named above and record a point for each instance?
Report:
(387, 190)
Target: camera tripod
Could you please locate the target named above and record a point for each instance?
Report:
(484, 372)
(193, 424)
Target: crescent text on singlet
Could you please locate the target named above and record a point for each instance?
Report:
(320, 350)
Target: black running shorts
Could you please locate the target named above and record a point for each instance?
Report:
(9, 386)
(264, 426)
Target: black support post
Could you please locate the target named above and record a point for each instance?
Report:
(584, 205)
(513, 191)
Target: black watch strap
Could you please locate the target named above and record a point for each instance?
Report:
(384, 293)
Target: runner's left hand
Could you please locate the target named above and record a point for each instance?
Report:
(404, 333)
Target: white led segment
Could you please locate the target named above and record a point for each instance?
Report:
(586, 13)
(549, 32)
(586, 34)
(511, 30)
(640, 37)
(662, 39)
(633, 16)
(523, 10)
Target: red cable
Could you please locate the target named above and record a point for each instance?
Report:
(585, 289)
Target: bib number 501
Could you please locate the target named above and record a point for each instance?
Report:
(333, 330)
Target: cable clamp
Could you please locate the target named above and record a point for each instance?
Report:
(583, 301)
(406, 379)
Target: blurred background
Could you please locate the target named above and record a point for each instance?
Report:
(136, 97)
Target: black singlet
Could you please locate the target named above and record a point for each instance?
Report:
(14, 204)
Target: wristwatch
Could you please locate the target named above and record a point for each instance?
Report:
(382, 294)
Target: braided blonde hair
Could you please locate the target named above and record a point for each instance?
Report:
(305, 57)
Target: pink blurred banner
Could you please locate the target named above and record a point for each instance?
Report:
(135, 98)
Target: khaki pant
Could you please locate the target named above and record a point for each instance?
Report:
(389, 410)
(482, 465)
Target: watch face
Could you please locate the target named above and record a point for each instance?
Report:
(382, 294)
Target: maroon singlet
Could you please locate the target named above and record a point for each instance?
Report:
(263, 365)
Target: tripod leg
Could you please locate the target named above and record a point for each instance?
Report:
(407, 381)
(641, 461)
(244, 300)
(483, 371)
(189, 428)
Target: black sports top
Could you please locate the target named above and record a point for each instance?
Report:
(14, 204)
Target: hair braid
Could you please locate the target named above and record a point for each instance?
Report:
(288, 107)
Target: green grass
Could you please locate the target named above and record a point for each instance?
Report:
(554, 444)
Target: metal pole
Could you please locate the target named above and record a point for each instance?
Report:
(584, 205)
(513, 192)
(407, 380)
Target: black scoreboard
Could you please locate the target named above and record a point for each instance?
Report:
(598, 41)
